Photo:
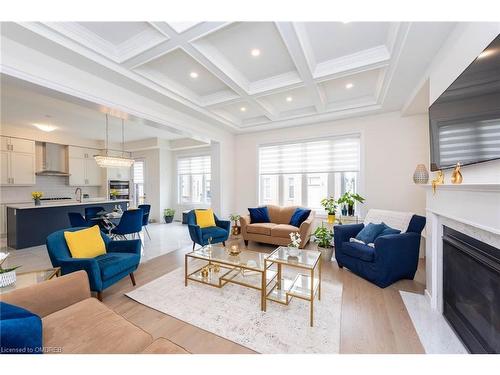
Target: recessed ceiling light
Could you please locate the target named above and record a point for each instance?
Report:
(255, 52)
(45, 127)
(349, 86)
(193, 75)
(289, 99)
(243, 109)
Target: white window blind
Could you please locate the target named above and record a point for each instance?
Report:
(138, 172)
(193, 165)
(340, 154)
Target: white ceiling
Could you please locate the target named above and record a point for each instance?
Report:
(311, 63)
(23, 106)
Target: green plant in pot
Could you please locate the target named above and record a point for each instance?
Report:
(168, 214)
(236, 228)
(323, 236)
(330, 205)
(349, 199)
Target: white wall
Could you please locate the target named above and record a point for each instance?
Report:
(464, 44)
(392, 146)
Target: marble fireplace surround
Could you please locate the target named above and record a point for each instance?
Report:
(473, 209)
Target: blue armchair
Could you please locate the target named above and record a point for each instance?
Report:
(121, 259)
(393, 258)
(200, 236)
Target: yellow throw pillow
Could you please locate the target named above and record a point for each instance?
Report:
(85, 243)
(205, 218)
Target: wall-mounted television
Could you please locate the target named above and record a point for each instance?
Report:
(465, 120)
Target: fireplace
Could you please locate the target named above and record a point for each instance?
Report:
(471, 291)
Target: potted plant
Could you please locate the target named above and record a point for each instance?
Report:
(168, 214)
(293, 246)
(113, 193)
(236, 228)
(330, 206)
(323, 237)
(7, 275)
(36, 195)
(349, 199)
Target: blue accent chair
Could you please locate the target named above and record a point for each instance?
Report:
(91, 213)
(146, 209)
(200, 236)
(394, 257)
(121, 259)
(130, 223)
(76, 220)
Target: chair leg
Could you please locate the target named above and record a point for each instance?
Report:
(132, 278)
(224, 243)
(246, 242)
(147, 232)
(194, 244)
(99, 296)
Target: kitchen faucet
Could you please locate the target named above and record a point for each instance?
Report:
(78, 197)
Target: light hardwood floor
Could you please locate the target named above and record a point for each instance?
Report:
(374, 320)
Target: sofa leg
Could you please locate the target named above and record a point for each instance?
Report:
(99, 296)
(224, 243)
(340, 265)
(246, 242)
(132, 278)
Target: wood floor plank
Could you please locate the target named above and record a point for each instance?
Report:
(373, 320)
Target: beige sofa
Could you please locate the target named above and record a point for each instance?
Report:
(74, 322)
(277, 232)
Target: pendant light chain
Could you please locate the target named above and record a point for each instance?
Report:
(107, 135)
(123, 138)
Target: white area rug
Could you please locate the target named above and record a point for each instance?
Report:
(233, 312)
(435, 334)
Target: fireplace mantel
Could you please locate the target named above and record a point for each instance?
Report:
(473, 209)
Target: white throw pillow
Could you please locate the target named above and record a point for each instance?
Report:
(394, 219)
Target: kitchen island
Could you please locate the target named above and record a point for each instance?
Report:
(29, 225)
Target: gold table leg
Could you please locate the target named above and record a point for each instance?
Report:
(185, 270)
(319, 286)
(312, 298)
(279, 276)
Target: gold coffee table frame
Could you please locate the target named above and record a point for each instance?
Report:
(304, 286)
(233, 269)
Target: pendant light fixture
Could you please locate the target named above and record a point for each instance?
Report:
(106, 161)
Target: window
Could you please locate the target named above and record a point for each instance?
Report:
(194, 179)
(138, 169)
(301, 174)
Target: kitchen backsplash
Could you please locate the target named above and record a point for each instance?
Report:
(51, 186)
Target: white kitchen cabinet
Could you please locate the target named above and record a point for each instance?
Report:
(83, 168)
(4, 144)
(93, 172)
(76, 168)
(22, 168)
(4, 168)
(122, 174)
(22, 145)
(17, 162)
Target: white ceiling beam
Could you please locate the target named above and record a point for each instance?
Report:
(298, 55)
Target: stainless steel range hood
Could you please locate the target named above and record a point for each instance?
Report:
(54, 158)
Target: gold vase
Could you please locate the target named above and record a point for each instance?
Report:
(236, 230)
(456, 176)
(331, 218)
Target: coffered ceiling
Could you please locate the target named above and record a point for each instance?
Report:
(258, 75)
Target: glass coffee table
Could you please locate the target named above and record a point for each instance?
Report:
(216, 266)
(305, 285)
(24, 279)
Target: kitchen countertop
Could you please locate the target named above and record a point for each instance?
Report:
(46, 204)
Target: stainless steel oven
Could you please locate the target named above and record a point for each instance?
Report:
(121, 187)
